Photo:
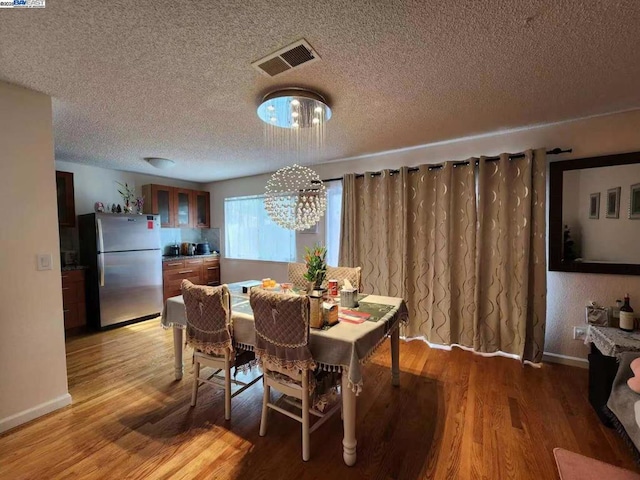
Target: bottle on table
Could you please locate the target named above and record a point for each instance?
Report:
(626, 316)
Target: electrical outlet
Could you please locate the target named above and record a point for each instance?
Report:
(579, 332)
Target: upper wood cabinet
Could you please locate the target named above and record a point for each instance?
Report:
(66, 202)
(160, 200)
(183, 199)
(201, 210)
(177, 207)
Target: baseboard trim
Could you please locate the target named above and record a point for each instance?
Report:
(34, 412)
(565, 360)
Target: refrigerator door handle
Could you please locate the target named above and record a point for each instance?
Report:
(100, 237)
(100, 252)
(101, 268)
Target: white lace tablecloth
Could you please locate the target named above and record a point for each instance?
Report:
(343, 347)
(612, 341)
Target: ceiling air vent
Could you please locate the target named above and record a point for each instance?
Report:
(287, 58)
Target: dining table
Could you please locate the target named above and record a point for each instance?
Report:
(344, 347)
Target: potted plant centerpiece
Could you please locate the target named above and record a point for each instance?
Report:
(316, 261)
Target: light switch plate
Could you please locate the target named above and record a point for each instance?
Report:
(45, 261)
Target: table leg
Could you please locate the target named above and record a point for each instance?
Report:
(348, 421)
(395, 358)
(177, 351)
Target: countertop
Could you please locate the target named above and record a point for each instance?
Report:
(69, 268)
(167, 258)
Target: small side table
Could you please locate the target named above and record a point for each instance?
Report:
(607, 344)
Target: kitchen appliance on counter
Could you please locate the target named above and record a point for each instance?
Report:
(187, 248)
(203, 248)
(124, 256)
(173, 250)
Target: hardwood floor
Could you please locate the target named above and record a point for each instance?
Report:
(455, 415)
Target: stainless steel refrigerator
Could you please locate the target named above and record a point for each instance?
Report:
(124, 280)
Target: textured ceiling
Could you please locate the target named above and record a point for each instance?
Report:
(173, 78)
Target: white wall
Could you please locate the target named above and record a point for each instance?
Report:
(94, 184)
(33, 377)
(567, 293)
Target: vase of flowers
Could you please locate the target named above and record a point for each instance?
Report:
(128, 195)
(139, 204)
(316, 261)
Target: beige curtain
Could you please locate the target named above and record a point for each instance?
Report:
(511, 256)
(372, 230)
(471, 265)
(348, 240)
(440, 244)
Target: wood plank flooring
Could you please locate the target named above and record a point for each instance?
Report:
(455, 415)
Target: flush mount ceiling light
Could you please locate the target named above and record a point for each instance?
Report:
(294, 108)
(161, 163)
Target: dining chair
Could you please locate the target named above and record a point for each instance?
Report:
(282, 349)
(209, 333)
(297, 270)
(295, 273)
(353, 274)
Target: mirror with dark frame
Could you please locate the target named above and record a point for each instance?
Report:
(594, 215)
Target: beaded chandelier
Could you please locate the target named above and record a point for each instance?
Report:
(295, 198)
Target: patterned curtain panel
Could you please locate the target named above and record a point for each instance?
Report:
(440, 242)
(470, 264)
(348, 249)
(372, 230)
(511, 256)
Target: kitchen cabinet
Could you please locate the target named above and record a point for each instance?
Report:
(160, 200)
(174, 271)
(66, 202)
(201, 210)
(211, 271)
(184, 203)
(202, 270)
(177, 207)
(73, 299)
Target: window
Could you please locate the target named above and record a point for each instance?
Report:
(251, 235)
(333, 215)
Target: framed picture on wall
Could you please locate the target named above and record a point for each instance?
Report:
(594, 205)
(634, 202)
(613, 202)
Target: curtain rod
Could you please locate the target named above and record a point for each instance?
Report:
(555, 151)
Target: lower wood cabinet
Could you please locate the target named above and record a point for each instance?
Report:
(211, 271)
(198, 270)
(73, 299)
